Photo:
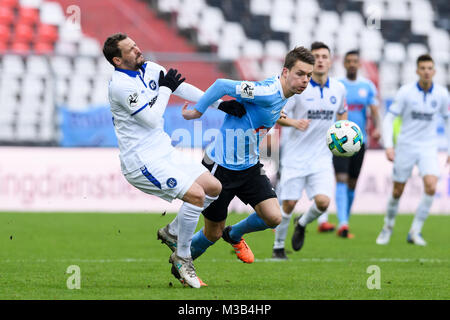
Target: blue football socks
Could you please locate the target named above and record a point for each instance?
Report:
(250, 224)
(199, 244)
(342, 203)
(350, 197)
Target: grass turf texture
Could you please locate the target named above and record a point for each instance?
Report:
(120, 258)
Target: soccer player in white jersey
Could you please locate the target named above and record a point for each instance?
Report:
(418, 104)
(306, 162)
(138, 93)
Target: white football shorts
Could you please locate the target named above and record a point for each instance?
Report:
(292, 185)
(169, 178)
(405, 160)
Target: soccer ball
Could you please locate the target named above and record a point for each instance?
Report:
(344, 138)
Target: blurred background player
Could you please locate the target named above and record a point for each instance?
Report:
(233, 157)
(418, 104)
(306, 162)
(361, 94)
(138, 92)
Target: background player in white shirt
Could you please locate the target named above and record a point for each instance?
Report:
(418, 104)
(306, 162)
(139, 92)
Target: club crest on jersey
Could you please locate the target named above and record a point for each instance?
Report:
(171, 183)
(132, 99)
(362, 93)
(333, 99)
(247, 90)
(152, 85)
(434, 104)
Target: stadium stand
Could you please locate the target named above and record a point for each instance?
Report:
(48, 61)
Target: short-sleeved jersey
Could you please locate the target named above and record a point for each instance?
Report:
(307, 150)
(418, 110)
(129, 93)
(361, 93)
(236, 145)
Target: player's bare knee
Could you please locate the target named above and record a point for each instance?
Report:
(322, 203)
(288, 206)
(214, 188)
(196, 196)
(430, 189)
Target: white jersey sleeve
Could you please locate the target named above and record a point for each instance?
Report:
(445, 113)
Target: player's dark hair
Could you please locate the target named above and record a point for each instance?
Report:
(355, 52)
(111, 47)
(424, 57)
(319, 45)
(298, 53)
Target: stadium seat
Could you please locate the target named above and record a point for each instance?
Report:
(20, 48)
(66, 48)
(394, 52)
(32, 85)
(43, 48)
(300, 39)
(413, 50)
(329, 20)
(253, 49)
(275, 49)
(3, 47)
(89, 47)
(84, 65)
(352, 20)
(37, 65)
(189, 12)
(61, 65)
(51, 13)
(5, 33)
(271, 67)
(47, 33)
(261, 7)
(9, 3)
(211, 21)
(28, 15)
(168, 5)
(31, 3)
(23, 33)
(398, 10)
(103, 66)
(7, 15)
(282, 21)
(306, 9)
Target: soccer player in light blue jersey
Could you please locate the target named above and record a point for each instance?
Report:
(361, 97)
(233, 157)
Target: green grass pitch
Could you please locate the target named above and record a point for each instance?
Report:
(120, 258)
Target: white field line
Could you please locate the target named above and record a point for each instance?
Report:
(305, 260)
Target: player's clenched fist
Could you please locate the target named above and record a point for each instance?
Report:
(171, 80)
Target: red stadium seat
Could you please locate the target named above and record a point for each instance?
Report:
(3, 47)
(6, 15)
(20, 47)
(47, 33)
(43, 48)
(28, 15)
(9, 3)
(23, 33)
(5, 33)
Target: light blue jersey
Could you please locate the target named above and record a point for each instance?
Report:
(236, 145)
(361, 93)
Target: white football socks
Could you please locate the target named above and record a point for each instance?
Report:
(187, 222)
(282, 230)
(173, 226)
(421, 213)
(322, 218)
(392, 209)
(312, 213)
